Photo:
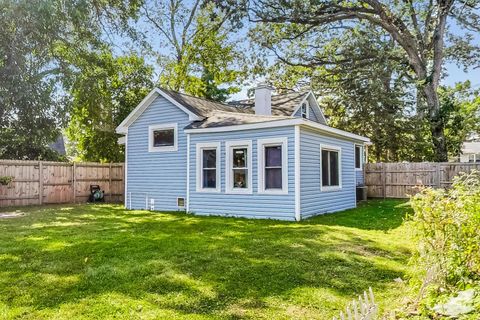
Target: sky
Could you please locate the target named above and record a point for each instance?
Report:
(453, 75)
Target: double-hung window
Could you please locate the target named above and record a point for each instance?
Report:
(331, 169)
(273, 166)
(358, 157)
(208, 167)
(162, 137)
(238, 166)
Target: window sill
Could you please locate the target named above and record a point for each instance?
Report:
(162, 149)
(273, 192)
(330, 189)
(239, 191)
(358, 169)
(208, 190)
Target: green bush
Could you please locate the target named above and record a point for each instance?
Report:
(446, 224)
(5, 180)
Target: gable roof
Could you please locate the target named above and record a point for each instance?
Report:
(282, 104)
(200, 109)
(223, 119)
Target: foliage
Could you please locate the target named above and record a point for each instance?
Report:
(418, 28)
(6, 180)
(461, 111)
(198, 55)
(36, 40)
(446, 224)
(103, 262)
(105, 91)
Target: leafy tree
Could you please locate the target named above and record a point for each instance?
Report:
(419, 28)
(201, 60)
(103, 94)
(460, 106)
(35, 75)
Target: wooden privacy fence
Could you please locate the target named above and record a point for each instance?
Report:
(398, 180)
(44, 182)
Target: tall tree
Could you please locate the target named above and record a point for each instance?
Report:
(418, 27)
(34, 72)
(105, 91)
(196, 53)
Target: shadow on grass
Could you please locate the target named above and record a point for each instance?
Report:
(189, 264)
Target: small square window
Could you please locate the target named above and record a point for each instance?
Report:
(181, 202)
(162, 137)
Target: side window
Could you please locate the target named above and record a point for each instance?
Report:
(358, 157)
(238, 166)
(273, 166)
(331, 171)
(208, 167)
(162, 137)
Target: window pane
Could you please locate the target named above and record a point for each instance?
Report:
(358, 155)
(240, 178)
(304, 110)
(239, 158)
(273, 178)
(334, 166)
(163, 138)
(325, 180)
(209, 178)
(273, 156)
(210, 158)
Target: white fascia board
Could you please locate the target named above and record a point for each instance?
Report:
(142, 106)
(283, 123)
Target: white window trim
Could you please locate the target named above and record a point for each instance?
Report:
(261, 143)
(200, 147)
(339, 150)
(229, 145)
(361, 156)
(163, 126)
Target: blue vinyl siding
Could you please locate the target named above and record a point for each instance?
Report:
(157, 175)
(360, 180)
(312, 200)
(253, 205)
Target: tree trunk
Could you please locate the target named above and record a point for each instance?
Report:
(436, 122)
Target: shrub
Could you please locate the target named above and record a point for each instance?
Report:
(5, 181)
(446, 224)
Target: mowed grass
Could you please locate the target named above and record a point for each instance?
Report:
(105, 262)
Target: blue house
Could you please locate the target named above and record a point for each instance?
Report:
(270, 157)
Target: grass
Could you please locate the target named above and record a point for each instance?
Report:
(104, 262)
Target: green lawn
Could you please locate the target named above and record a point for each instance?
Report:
(104, 262)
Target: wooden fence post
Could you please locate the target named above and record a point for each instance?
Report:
(40, 182)
(74, 176)
(439, 183)
(384, 175)
(110, 181)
